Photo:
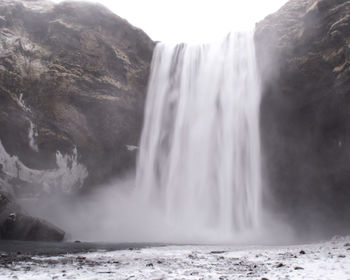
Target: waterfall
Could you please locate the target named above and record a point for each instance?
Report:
(199, 158)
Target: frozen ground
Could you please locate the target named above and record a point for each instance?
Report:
(326, 260)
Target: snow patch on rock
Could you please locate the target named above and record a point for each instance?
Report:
(68, 176)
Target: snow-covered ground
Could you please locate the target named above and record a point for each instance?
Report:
(326, 260)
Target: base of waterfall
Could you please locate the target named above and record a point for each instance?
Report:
(323, 260)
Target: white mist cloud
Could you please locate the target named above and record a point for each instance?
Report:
(191, 20)
(119, 213)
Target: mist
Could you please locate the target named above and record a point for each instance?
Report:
(117, 213)
(110, 213)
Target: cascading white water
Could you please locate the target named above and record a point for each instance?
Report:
(199, 159)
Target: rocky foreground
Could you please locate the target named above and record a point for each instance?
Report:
(327, 260)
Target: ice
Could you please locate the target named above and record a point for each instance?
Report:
(21, 103)
(31, 136)
(325, 260)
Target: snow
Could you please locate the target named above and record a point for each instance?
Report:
(326, 260)
(33, 133)
(21, 103)
(68, 176)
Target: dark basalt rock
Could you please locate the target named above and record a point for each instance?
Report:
(78, 73)
(304, 57)
(16, 225)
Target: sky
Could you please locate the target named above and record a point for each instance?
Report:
(191, 21)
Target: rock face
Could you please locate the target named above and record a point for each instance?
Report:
(15, 224)
(304, 56)
(73, 79)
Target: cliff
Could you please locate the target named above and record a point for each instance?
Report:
(73, 80)
(304, 54)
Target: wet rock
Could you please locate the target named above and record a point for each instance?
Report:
(303, 55)
(302, 252)
(29, 228)
(217, 252)
(8, 208)
(15, 224)
(81, 259)
(12, 258)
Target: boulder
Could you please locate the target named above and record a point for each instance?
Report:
(17, 225)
